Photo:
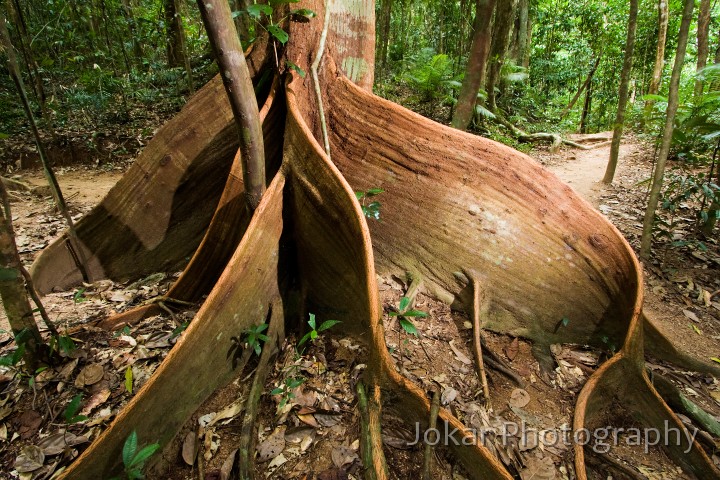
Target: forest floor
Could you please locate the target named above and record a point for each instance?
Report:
(314, 432)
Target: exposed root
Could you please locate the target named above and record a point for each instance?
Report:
(371, 450)
(246, 448)
(429, 451)
(314, 71)
(555, 139)
(605, 462)
(477, 307)
(681, 403)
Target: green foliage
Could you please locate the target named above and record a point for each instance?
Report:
(289, 384)
(263, 16)
(134, 460)
(14, 358)
(312, 335)
(254, 335)
(372, 209)
(72, 409)
(432, 75)
(404, 315)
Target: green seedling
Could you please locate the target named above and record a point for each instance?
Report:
(79, 295)
(71, 410)
(372, 209)
(285, 390)
(258, 11)
(404, 314)
(254, 335)
(179, 329)
(134, 460)
(313, 333)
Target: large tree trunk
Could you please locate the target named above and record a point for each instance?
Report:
(656, 79)
(544, 255)
(477, 61)
(623, 93)
(703, 46)
(499, 47)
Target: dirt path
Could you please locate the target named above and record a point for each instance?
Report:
(584, 169)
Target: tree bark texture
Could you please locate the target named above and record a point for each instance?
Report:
(477, 61)
(238, 85)
(175, 34)
(703, 45)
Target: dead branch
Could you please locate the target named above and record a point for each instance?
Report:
(478, 303)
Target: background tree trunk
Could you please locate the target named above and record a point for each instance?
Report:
(649, 221)
(656, 79)
(703, 47)
(582, 88)
(623, 93)
(586, 109)
(499, 47)
(384, 37)
(175, 34)
(522, 44)
(477, 61)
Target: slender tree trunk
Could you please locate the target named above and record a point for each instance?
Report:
(586, 109)
(477, 61)
(582, 88)
(238, 85)
(703, 46)
(623, 94)
(12, 291)
(15, 13)
(173, 28)
(499, 47)
(384, 30)
(714, 210)
(659, 54)
(52, 181)
(673, 100)
(522, 33)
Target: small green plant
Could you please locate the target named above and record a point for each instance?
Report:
(404, 314)
(285, 390)
(179, 329)
(134, 460)
(272, 26)
(79, 295)
(254, 335)
(72, 409)
(432, 75)
(313, 333)
(62, 343)
(371, 210)
(14, 358)
(125, 331)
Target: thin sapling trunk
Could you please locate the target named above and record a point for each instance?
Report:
(238, 85)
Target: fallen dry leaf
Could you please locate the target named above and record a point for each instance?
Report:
(519, 398)
(189, 448)
(89, 375)
(31, 458)
(272, 446)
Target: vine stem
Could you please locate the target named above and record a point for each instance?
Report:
(314, 73)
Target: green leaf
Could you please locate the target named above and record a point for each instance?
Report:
(299, 70)
(328, 324)
(257, 10)
(277, 32)
(78, 295)
(237, 13)
(359, 195)
(179, 329)
(129, 380)
(313, 334)
(408, 326)
(565, 321)
(654, 98)
(66, 344)
(715, 359)
(415, 313)
(304, 12)
(72, 408)
(374, 191)
(276, 391)
(4, 136)
(311, 322)
(404, 303)
(144, 454)
(304, 339)
(275, 3)
(129, 449)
